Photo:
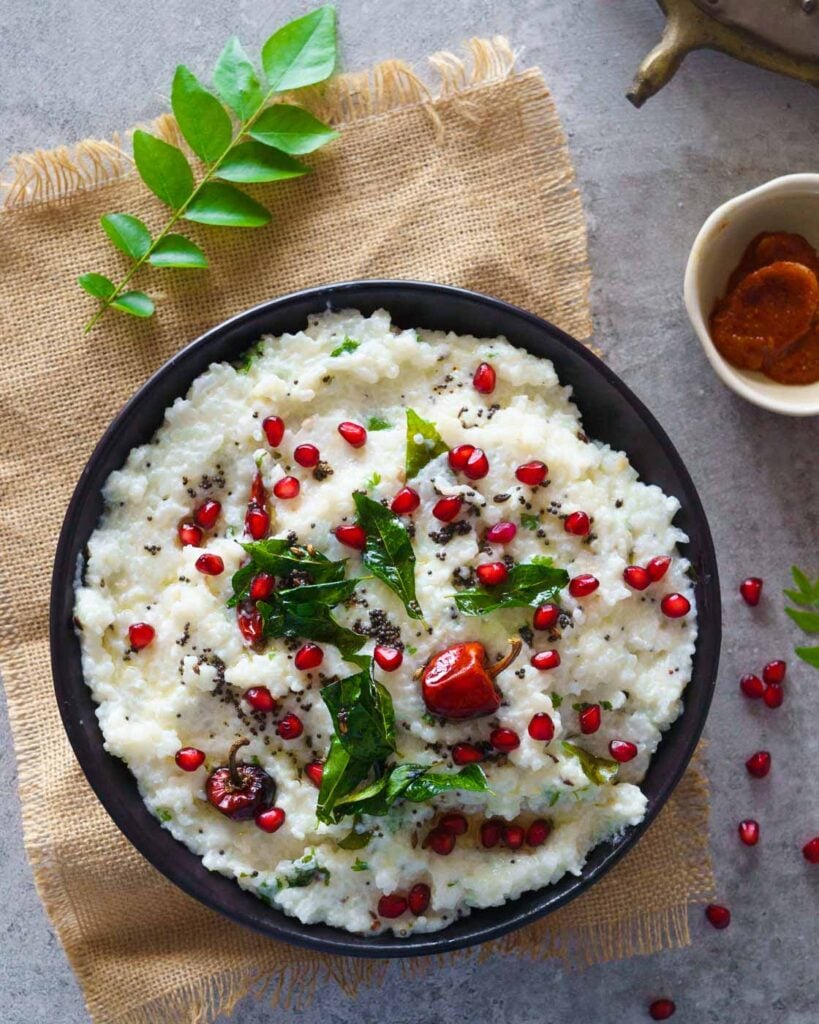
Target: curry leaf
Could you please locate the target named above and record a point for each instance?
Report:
(809, 655)
(251, 162)
(363, 715)
(225, 206)
(340, 776)
(807, 615)
(313, 621)
(291, 129)
(236, 80)
(163, 168)
(808, 622)
(388, 552)
(127, 233)
(201, 117)
(279, 557)
(133, 302)
(414, 782)
(599, 770)
(98, 285)
(177, 251)
(424, 443)
(528, 585)
(302, 52)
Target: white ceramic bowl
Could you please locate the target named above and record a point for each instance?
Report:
(791, 204)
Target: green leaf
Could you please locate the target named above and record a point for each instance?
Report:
(163, 168)
(279, 557)
(362, 714)
(388, 553)
(528, 585)
(251, 161)
(424, 443)
(127, 233)
(201, 117)
(599, 770)
(308, 621)
(302, 52)
(373, 480)
(806, 600)
(529, 521)
(236, 80)
(471, 778)
(808, 654)
(178, 252)
(341, 774)
(414, 782)
(377, 423)
(291, 129)
(330, 593)
(354, 840)
(225, 206)
(348, 345)
(135, 303)
(802, 580)
(98, 285)
(806, 621)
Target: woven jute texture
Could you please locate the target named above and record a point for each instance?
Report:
(467, 183)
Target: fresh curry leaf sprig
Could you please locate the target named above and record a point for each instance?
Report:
(238, 135)
(806, 615)
(528, 585)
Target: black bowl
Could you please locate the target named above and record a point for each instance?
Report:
(610, 413)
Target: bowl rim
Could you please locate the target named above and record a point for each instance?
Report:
(274, 923)
(730, 376)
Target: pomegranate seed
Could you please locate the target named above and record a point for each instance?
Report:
(658, 567)
(501, 533)
(209, 564)
(290, 727)
(810, 851)
(207, 513)
(774, 671)
(445, 509)
(577, 523)
(513, 836)
(583, 585)
(459, 455)
(407, 500)
(751, 590)
(541, 727)
(441, 842)
(308, 656)
(314, 772)
(718, 916)
(286, 488)
(251, 625)
(140, 635)
(454, 823)
(262, 586)
(484, 379)
(546, 616)
(388, 658)
(392, 905)
(260, 699)
(636, 577)
(675, 606)
(749, 831)
(759, 764)
(751, 686)
(622, 750)
(353, 433)
(273, 427)
(419, 897)
(270, 820)
(353, 536)
(538, 832)
(257, 522)
(490, 574)
(662, 1009)
(532, 473)
(307, 455)
(504, 740)
(590, 719)
(467, 753)
(477, 465)
(189, 759)
(545, 660)
(773, 695)
(190, 535)
(490, 834)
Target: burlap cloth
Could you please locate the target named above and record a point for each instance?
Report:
(469, 184)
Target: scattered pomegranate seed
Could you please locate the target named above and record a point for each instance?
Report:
(445, 509)
(286, 488)
(636, 577)
(546, 616)
(441, 842)
(260, 699)
(577, 523)
(538, 832)
(658, 567)
(262, 586)
(662, 1009)
(407, 500)
(751, 686)
(477, 465)
(207, 513)
(773, 695)
(484, 379)
(353, 433)
(774, 671)
(251, 625)
(307, 455)
(459, 456)
(759, 764)
(490, 834)
(501, 533)
(388, 658)
(590, 718)
(210, 564)
(190, 535)
(419, 897)
(490, 574)
(751, 590)
(622, 750)
(454, 823)
(513, 836)
(290, 727)
(718, 916)
(675, 606)
(810, 851)
(353, 536)
(257, 521)
(273, 427)
(392, 905)
(541, 727)
(308, 656)
(140, 635)
(545, 660)
(467, 753)
(504, 740)
(532, 473)
(189, 759)
(749, 831)
(258, 493)
(583, 585)
(314, 772)
(270, 820)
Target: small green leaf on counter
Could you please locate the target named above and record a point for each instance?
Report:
(291, 129)
(202, 119)
(127, 233)
(806, 615)
(135, 303)
(250, 162)
(178, 252)
(809, 655)
(348, 345)
(163, 168)
(98, 285)
(599, 770)
(225, 206)
(388, 553)
(424, 443)
(528, 585)
(303, 52)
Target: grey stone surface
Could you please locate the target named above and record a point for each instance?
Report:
(86, 67)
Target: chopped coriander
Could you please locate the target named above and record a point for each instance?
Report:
(360, 865)
(373, 481)
(348, 345)
(377, 423)
(557, 700)
(411, 649)
(164, 814)
(529, 521)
